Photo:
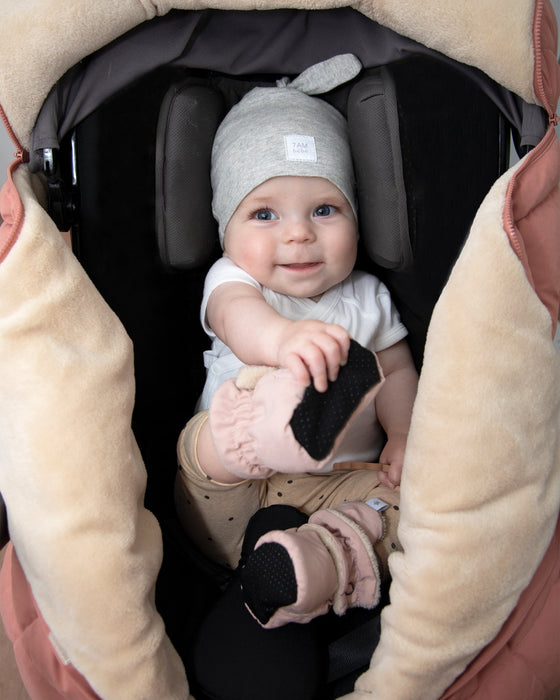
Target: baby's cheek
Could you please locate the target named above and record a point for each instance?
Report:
(256, 257)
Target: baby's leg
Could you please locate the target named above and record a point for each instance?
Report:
(233, 656)
(312, 492)
(214, 514)
(330, 562)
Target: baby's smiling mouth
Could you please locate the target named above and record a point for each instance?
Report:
(300, 265)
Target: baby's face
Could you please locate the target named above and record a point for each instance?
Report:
(294, 235)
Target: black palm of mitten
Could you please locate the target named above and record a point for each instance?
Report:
(320, 417)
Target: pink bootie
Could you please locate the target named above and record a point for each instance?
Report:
(281, 425)
(298, 574)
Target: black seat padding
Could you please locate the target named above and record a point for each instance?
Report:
(373, 122)
(186, 230)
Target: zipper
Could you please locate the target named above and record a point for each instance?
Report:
(508, 218)
(21, 154)
(540, 90)
(553, 120)
(537, 42)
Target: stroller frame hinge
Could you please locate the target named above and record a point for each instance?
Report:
(21, 154)
(61, 187)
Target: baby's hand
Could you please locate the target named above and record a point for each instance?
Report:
(392, 457)
(314, 350)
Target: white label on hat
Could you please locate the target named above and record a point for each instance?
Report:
(300, 147)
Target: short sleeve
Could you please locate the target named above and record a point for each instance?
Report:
(222, 271)
(390, 328)
(370, 314)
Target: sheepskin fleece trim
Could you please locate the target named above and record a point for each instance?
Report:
(70, 471)
(41, 39)
(481, 484)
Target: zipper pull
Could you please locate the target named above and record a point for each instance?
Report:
(22, 155)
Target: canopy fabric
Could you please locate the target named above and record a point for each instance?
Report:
(280, 41)
(40, 41)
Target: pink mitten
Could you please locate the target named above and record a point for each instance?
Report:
(285, 426)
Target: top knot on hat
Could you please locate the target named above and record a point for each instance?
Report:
(325, 76)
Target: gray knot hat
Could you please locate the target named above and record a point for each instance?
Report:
(283, 130)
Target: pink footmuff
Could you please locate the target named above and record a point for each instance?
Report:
(44, 671)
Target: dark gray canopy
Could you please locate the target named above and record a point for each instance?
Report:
(243, 43)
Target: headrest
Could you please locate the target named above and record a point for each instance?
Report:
(373, 122)
(190, 114)
(186, 230)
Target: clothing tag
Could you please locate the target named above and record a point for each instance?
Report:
(300, 147)
(377, 504)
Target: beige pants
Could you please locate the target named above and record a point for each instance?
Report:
(215, 515)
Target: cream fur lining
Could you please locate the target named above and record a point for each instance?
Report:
(42, 39)
(481, 483)
(70, 470)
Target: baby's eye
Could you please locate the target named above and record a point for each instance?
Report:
(264, 215)
(324, 210)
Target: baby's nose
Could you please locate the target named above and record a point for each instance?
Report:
(299, 231)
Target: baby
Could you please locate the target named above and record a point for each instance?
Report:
(302, 427)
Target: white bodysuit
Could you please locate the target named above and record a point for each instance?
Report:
(361, 304)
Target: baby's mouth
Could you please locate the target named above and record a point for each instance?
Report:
(301, 265)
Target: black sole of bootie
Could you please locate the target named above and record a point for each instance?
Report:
(269, 581)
